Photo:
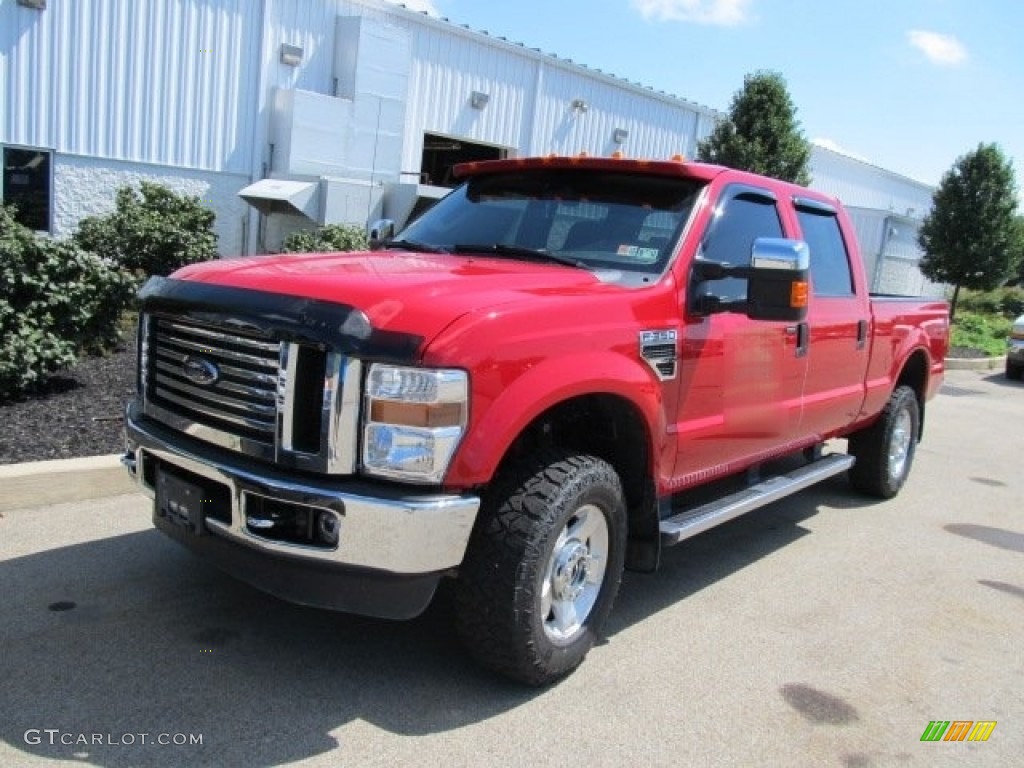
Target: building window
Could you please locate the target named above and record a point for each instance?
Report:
(27, 181)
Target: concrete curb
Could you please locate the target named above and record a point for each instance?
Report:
(975, 363)
(38, 483)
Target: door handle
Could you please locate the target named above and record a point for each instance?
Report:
(802, 332)
(862, 333)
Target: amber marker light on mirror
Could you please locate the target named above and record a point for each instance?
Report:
(798, 294)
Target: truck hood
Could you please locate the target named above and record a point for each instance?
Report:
(398, 291)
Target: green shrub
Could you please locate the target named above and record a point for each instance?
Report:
(333, 237)
(983, 332)
(152, 231)
(56, 301)
(1013, 302)
(1007, 301)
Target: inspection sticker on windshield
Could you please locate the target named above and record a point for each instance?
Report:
(635, 252)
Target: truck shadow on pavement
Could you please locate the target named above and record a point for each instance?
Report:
(698, 563)
(130, 635)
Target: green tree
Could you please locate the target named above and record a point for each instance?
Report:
(971, 236)
(153, 230)
(1018, 249)
(333, 237)
(761, 133)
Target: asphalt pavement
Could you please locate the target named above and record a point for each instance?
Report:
(825, 630)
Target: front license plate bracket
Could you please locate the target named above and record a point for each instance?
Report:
(181, 502)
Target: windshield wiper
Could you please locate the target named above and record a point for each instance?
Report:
(413, 245)
(501, 249)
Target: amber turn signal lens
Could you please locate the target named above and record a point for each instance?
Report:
(416, 414)
(798, 294)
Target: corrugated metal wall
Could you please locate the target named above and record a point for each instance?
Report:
(531, 95)
(190, 84)
(170, 82)
(860, 184)
(446, 69)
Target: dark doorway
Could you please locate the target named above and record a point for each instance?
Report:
(442, 153)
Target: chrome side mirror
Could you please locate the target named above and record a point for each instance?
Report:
(380, 231)
(779, 274)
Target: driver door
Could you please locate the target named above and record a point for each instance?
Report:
(742, 379)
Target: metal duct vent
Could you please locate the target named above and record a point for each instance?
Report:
(659, 349)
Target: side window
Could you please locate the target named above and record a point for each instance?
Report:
(830, 261)
(738, 222)
(26, 184)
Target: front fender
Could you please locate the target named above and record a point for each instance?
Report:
(503, 408)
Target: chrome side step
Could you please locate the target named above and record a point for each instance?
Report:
(693, 521)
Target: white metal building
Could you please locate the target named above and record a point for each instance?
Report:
(331, 110)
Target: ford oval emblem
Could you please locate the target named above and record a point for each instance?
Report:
(200, 370)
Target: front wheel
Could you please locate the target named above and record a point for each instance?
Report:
(885, 450)
(543, 566)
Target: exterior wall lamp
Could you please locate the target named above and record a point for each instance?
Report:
(619, 135)
(478, 99)
(579, 105)
(291, 55)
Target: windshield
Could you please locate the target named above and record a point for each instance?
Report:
(593, 219)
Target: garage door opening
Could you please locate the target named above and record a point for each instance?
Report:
(442, 153)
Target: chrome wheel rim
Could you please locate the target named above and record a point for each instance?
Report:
(574, 574)
(899, 444)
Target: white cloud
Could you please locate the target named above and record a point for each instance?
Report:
(725, 13)
(419, 6)
(835, 146)
(944, 50)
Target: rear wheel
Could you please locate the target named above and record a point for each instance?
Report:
(543, 566)
(1014, 370)
(885, 450)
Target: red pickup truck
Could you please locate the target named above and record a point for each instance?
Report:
(562, 367)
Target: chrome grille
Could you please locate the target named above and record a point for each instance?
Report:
(240, 398)
(289, 402)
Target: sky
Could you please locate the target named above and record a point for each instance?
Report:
(908, 85)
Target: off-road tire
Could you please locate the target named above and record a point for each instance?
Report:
(885, 450)
(545, 515)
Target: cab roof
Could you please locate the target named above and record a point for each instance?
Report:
(673, 167)
(677, 167)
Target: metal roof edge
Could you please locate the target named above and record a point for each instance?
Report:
(537, 54)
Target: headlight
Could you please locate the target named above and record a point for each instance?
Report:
(413, 421)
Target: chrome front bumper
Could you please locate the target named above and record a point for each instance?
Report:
(385, 533)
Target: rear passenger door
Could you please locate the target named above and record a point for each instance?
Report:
(838, 320)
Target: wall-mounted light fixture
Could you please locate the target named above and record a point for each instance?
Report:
(579, 105)
(291, 55)
(619, 135)
(39, 5)
(478, 99)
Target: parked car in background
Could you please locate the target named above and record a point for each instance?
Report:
(1015, 350)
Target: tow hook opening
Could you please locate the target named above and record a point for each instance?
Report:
(291, 523)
